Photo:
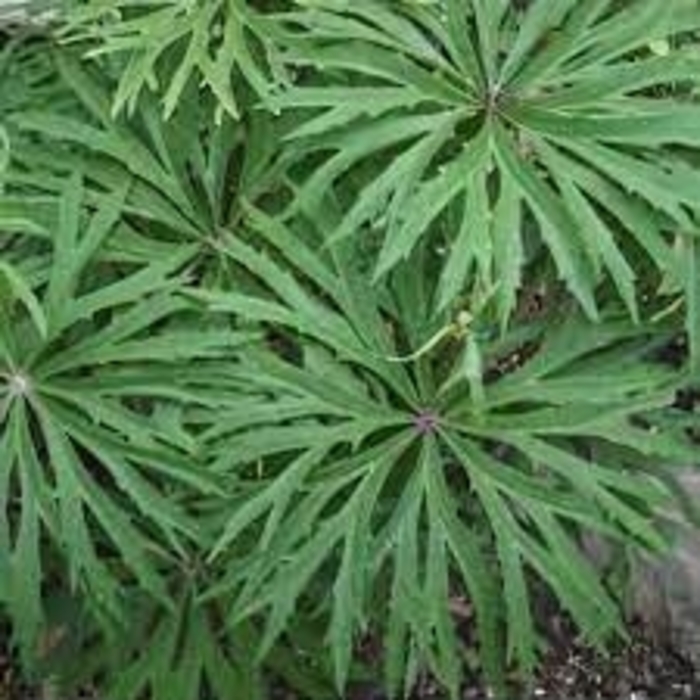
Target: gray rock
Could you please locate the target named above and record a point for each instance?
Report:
(26, 13)
(666, 593)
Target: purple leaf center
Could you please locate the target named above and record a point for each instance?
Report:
(426, 422)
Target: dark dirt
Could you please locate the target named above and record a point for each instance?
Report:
(640, 670)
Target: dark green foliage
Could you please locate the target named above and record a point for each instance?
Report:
(317, 317)
(561, 116)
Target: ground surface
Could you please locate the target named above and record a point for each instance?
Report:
(641, 670)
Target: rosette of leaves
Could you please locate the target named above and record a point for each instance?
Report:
(168, 46)
(375, 484)
(502, 130)
(181, 179)
(97, 470)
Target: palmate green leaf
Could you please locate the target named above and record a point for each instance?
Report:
(657, 126)
(275, 498)
(461, 48)
(473, 566)
(171, 46)
(404, 35)
(516, 546)
(469, 249)
(555, 222)
(176, 187)
(21, 568)
(433, 198)
(351, 585)
(214, 420)
(98, 476)
(343, 479)
(596, 483)
(276, 509)
(405, 604)
(77, 494)
(601, 243)
(560, 82)
(540, 18)
(626, 77)
(618, 34)
(135, 157)
(156, 647)
(508, 250)
(179, 653)
(363, 141)
(522, 638)
(360, 337)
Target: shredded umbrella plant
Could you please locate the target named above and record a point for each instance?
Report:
(328, 324)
